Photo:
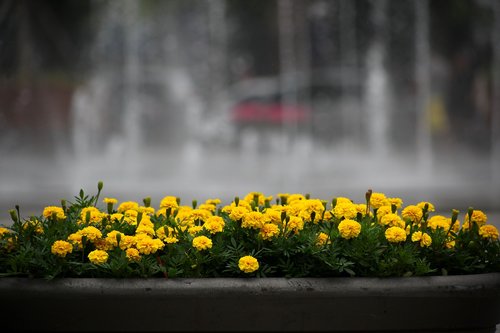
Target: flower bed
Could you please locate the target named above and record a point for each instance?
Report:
(290, 235)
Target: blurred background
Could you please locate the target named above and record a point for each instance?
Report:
(217, 98)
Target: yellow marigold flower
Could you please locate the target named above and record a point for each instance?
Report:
(147, 211)
(145, 229)
(361, 208)
(478, 216)
(116, 217)
(308, 207)
(130, 216)
(248, 264)
(272, 216)
(450, 243)
(76, 240)
(200, 215)
(346, 210)
(423, 238)
(261, 199)
(147, 245)
(295, 224)
(213, 202)
(382, 211)
(398, 202)
(61, 248)
(111, 201)
(413, 213)
(395, 234)
(295, 197)
(169, 201)
(430, 206)
(253, 220)
(50, 210)
(4, 231)
(183, 216)
(322, 239)
(349, 229)
(439, 221)
(378, 200)
(98, 257)
(392, 220)
(111, 237)
(94, 214)
(127, 241)
(102, 244)
(269, 230)
(208, 207)
(91, 233)
(488, 231)
(214, 224)
(132, 254)
(293, 209)
(195, 230)
(35, 225)
(127, 205)
(343, 200)
(202, 243)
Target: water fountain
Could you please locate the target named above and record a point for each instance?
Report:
(148, 120)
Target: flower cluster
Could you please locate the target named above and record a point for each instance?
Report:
(289, 235)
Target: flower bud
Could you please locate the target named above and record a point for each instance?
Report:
(194, 203)
(147, 201)
(100, 185)
(13, 215)
(236, 201)
(63, 205)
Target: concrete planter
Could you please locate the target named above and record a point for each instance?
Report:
(452, 303)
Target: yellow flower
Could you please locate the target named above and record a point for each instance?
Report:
(111, 237)
(273, 216)
(145, 229)
(127, 241)
(382, 211)
(395, 234)
(61, 248)
(349, 229)
(130, 216)
(116, 217)
(95, 216)
(248, 264)
(294, 198)
(308, 207)
(424, 238)
(202, 243)
(127, 205)
(488, 231)
(214, 224)
(295, 224)
(261, 199)
(50, 210)
(76, 240)
(111, 201)
(133, 254)
(378, 200)
(439, 221)
(392, 220)
(477, 216)
(4, 231)
(213, 202)
(195, 230)
(98, 257)
(413, 213)
(169, 202)
(199, 215)
(237, 213)
(91, 233)
(322, 239)
(269, 230)
(148, 245)
(147, 211)
(347, 210)
(398, 202)
(253, 220)
(430, 206)
(207, 207)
